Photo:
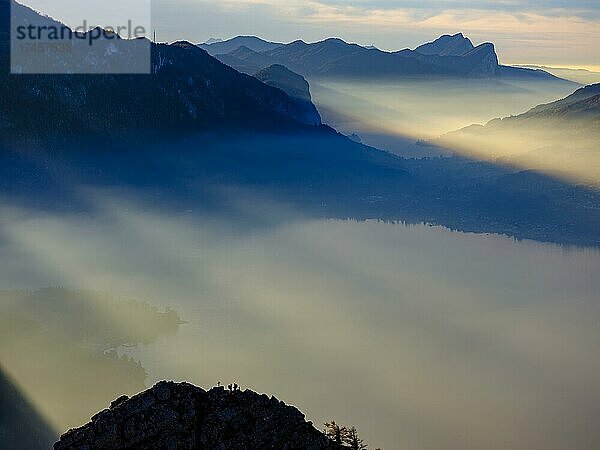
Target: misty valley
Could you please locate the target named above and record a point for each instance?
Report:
(379, 305)
(405, 241)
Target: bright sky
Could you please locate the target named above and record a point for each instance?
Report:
(551, 32)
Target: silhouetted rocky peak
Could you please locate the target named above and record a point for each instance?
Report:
(292, 84)
(447, 45)
(182, 416)
(486, 60)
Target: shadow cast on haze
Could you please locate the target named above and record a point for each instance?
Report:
(21, 425)
(421, 118)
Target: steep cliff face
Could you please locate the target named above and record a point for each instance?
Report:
(293, 85)
(482, 60)
(289, 82)
(182, 416)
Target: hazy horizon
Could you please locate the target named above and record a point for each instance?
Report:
(553, 33)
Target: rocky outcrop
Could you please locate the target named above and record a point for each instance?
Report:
(183, 416)
(292, 84)
(289, 82)
(482, 61)
(447, 45)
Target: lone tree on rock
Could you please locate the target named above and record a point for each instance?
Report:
(346, 437)
(354, 441)
(335, 432)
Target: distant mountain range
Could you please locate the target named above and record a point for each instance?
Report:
(219, 47)
(259, 132)
(191, 90)
(447, 56)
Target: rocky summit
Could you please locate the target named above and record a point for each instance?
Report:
(183, 416)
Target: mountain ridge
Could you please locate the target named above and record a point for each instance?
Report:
(584, 103)
(448, 55)
(252, 42)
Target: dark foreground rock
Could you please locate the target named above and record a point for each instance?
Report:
(182, 416)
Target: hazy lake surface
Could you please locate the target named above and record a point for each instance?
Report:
(422, 337)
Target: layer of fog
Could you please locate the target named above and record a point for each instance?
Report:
(425, 109)
(423, 338)
(395, 116)
(564, 148)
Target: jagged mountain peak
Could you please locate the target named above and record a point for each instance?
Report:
(485, 47)
(447, 45)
